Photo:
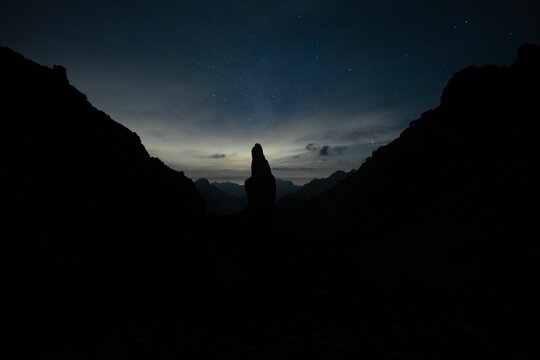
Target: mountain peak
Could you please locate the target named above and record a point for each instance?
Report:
(202, 182)
(99, 168)
(261, 186)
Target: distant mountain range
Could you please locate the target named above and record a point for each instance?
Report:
(317, 186)
(231, 188)
(228, 198)
(219, 202)
(283, 188)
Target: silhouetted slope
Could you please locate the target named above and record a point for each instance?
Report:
(285, 188)
(232, 189)
(97, 217)
(482, 137)
(261, 186)
(81, 166)
(217, 201)
(452, 202)
(317, 186)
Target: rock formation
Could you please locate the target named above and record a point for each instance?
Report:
(82, 171)
(218, 202)
(317, 186)
(261, 186)
(95, 217)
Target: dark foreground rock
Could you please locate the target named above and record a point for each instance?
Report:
(98, 225)
(261, 186)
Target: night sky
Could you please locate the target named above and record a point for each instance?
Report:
(320, 84)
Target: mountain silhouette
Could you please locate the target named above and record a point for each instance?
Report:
(83, 167)
(231, 188)
(426, 251)
(95, 218)
(285, 188)
(229, 198)
(317, 186)
(480, 139)
(261, 186)
(219, 202)
(448, 207)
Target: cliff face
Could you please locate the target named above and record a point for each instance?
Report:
(261, 186)
(93, 214)
(481, 136)
(317, 186)
(449, 201)
(79, 168)
(219, 202)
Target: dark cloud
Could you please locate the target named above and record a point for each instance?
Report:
(334, 150)
(325, 151)
(312, 147)
(217, 156)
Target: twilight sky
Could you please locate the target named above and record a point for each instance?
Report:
(320, 84)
